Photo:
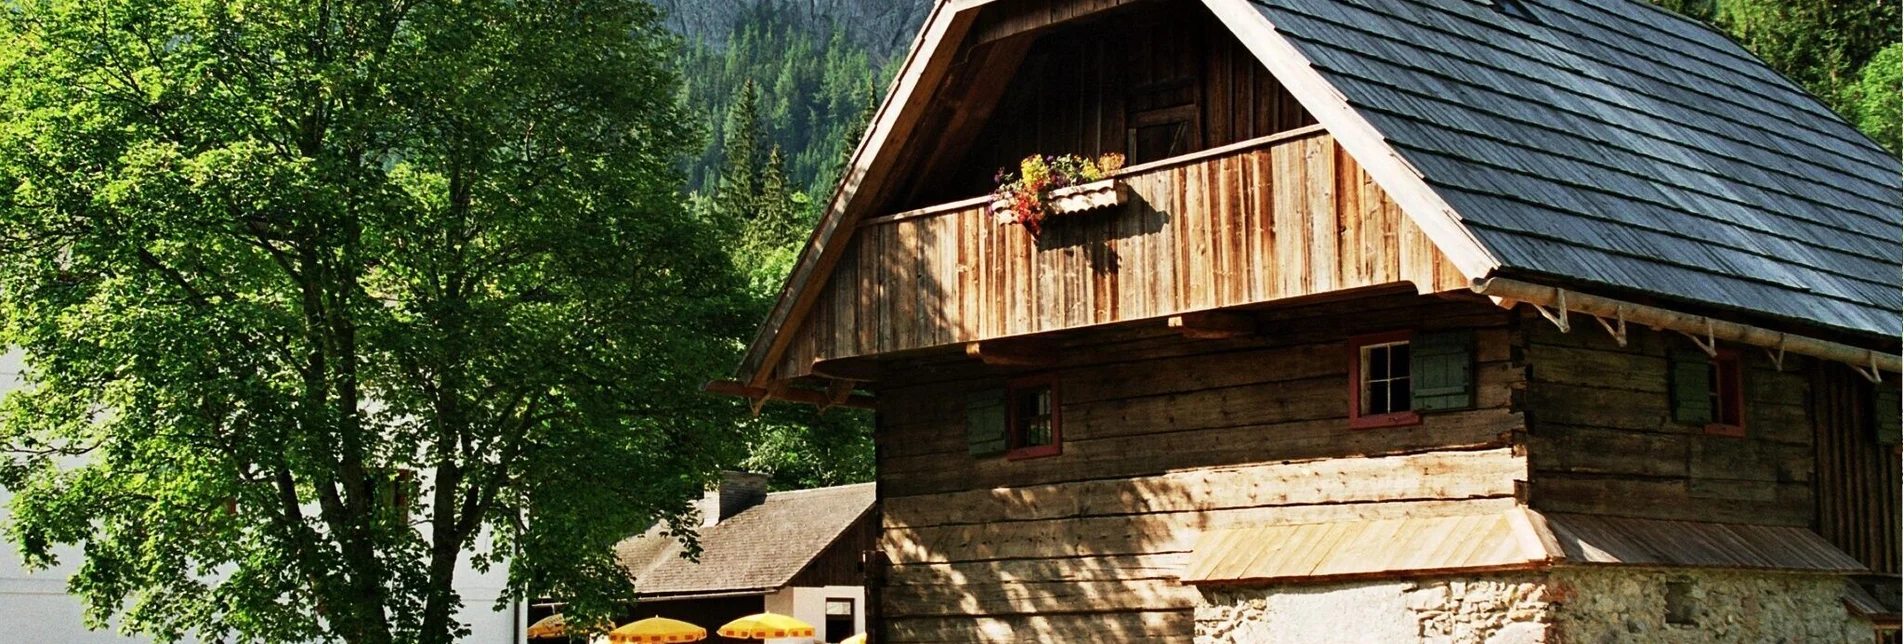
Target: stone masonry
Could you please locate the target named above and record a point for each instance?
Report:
(1575, 605)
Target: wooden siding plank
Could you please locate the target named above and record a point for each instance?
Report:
(1432, 475)
(1292, 218)
(1147, 626)
(1158, 533)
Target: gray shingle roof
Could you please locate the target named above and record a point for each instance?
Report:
(1612, 142)
(761, 548)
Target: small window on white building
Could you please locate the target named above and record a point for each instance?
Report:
(841, 617)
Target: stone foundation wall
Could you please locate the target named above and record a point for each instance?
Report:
(1608, 605)
(1563, 606)
(1494, 609)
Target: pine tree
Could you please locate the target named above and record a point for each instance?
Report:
(776, 221)
(739, 188)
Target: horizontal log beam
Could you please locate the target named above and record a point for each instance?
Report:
(1014, 19)
(807, 396)
(858, 369)
(1213, 325)
(1560, 301)
(1010, 355)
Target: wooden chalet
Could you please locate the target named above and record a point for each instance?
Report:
(1407, 320)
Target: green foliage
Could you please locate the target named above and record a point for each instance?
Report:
(1877, 98)
(1024, 192)
(779, 221)
(739, 183)
(265, 255)
(795, 96)
(802, 448)
(815, 84)
(1827, 46)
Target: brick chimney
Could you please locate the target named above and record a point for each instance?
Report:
(735, 492)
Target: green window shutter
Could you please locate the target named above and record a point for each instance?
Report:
(1691, 387)
(1889, 414)
(985, 422)
(1443, 370)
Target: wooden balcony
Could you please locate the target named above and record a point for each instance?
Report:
(1278, 217)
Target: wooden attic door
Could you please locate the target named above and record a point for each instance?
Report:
(1253, 204)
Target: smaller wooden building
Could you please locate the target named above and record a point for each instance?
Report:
(794, 553)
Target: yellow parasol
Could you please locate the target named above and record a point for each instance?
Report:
(656, 629)
(553, 626)
(856, 639)
(766, 626)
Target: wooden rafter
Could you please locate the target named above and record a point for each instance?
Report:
(856, 369)
(761, 395)
(1013, 19)
(1703, 330)
(1213, 325)
(1011, 354)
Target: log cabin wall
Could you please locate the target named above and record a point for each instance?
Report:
(1165, 437)
(1288, 217)
(1603, 441)
(1858, 482)
(1151, 81)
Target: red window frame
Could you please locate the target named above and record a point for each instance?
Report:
(1727, 382)
(1015, 433)
(1356, 419)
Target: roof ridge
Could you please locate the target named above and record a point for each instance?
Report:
(830, 488)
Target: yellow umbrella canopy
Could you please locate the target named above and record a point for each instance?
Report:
(656, 629)
(856, 639)
(552, 626)
(766, 626)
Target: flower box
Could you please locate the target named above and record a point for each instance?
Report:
(1106, 193)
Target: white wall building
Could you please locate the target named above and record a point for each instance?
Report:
(35, 608)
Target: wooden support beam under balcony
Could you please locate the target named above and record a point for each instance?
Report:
(1011, 354)
(788, 394)
(855, 369)
(1213, 325)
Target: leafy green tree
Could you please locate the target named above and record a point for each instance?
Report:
(800, 88)
(1877, 98)
(271, 260)
(802, 447)
(1824, 45)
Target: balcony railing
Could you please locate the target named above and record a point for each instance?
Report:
(1278, 217)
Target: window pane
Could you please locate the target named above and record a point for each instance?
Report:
(1033, 417)
(1400, 395)
(1384, 386)
(1727, 397)
(838, 607)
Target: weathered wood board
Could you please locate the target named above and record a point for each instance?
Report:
(1290, 218)
(1166, 438)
